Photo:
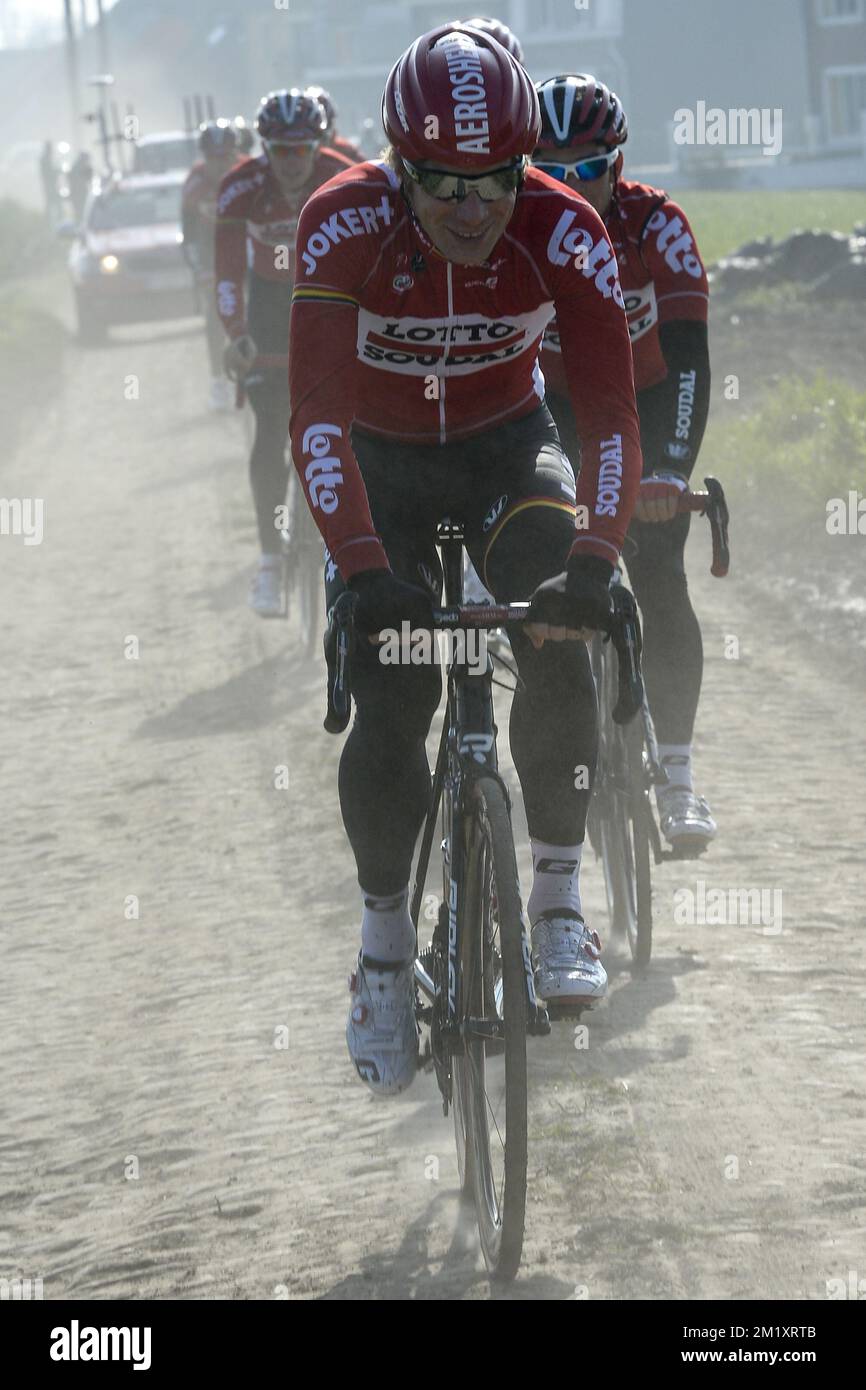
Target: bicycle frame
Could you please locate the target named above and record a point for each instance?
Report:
(467, 749)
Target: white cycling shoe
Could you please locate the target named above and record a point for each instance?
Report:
(566, 958)
(222, 394)
(267, 595)
(381, 1032)
(685, 820)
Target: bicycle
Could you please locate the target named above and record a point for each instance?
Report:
(475, 989)
(621, 825)
(302, 546)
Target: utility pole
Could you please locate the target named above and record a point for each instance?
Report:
(102, 26)
(72, 75)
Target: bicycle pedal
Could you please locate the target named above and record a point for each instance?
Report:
(689, 847)
(568, 1011)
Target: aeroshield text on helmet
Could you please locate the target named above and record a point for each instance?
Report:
(468, 94)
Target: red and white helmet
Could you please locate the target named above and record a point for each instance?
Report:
(457, 98)
(500, 32)
(577, 109)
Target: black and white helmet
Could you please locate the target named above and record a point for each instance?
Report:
(291, 116)
(217, 138)
(577, 109)
(326, 101)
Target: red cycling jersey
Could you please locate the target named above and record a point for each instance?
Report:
(389, 335)
(347, 149)
(256, 226)
(662, 275)
(198, 214)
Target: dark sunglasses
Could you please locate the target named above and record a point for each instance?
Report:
(586, 169)
(439, 184)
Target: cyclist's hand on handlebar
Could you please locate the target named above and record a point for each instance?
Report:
(384, 601)
(239, 356)
(659, 496)
(572, 605)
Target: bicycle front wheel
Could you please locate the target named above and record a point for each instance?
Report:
(623, 831)
(489, 1073)
(311, 599)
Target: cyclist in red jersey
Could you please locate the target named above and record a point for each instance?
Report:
(257, 216)
(335, 141)
(424, 283)
(217, 142)
(666, 298)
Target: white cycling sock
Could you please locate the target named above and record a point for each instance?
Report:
(270, 561)
(555, 879)
(387, 934)
(676, 759)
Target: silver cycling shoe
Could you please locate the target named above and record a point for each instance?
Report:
(686, 822)
(381, 1032)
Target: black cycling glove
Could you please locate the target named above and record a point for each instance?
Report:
(384, 601)
(579, 597)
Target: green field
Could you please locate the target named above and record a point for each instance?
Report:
(723, 221)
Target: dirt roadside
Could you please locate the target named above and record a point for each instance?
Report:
(159, 1140)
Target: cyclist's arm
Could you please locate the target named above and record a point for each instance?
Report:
(670, 253)
(597, 358)
(190, 226)
(322, 380)
(322, 371)
(230, 253)
(683, 398)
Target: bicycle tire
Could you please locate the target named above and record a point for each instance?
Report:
(310, 598)
(618, 823)
(492, 976)
(641, 934)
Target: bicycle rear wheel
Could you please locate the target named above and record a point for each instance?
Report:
(489, 1074)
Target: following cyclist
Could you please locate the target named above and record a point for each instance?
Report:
(423, 288)
(259, 202)
(583, 129)
(334, 140)
(497, 30)
(217, 143)
(246, 139)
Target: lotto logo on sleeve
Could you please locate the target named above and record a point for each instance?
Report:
(675, 244)
(595, 260)
(227, 298)
(324, 473)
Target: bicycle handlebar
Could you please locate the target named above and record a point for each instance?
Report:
(712, 504)
(267, 360)
(623, 629)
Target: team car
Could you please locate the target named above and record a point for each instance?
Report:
(126, 261)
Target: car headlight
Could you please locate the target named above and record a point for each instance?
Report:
(109, 265)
